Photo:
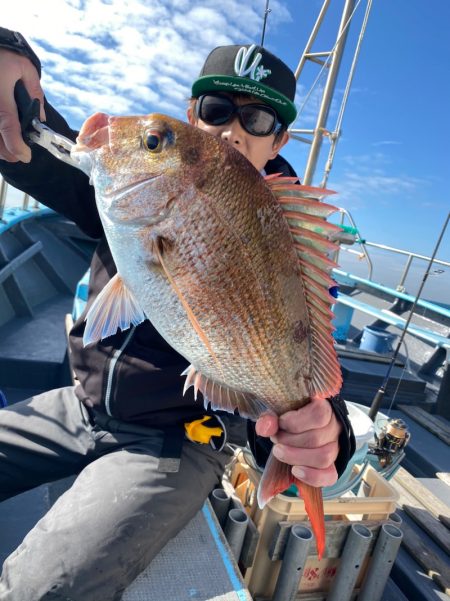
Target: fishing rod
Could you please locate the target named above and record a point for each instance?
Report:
(267, 10)
(381, 391)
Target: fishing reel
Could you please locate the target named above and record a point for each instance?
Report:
(390, 441)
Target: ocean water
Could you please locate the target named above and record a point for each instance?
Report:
(388, 267)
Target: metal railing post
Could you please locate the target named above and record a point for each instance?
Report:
(400, 285)
(3, 189)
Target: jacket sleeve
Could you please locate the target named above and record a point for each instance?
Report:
(50, 181)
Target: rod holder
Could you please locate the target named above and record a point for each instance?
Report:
(294, 560)
(353, 555)
(380, 567)
(220, 503)
(235, 529)
(396, 519)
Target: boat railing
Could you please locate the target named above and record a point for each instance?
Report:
(410, 256)
(22, 204)
(363, 254)
(409, 259)
(344, 213)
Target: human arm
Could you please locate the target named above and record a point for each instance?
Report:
(55, 184)
(317, 439)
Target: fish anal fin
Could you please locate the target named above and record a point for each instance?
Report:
(277, 478)
(114, 308)
(222, 397)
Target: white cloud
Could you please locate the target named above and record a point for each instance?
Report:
(130, 56)
(387, 143)
(365, 179)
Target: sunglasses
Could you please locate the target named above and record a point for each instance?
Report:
(256, 119)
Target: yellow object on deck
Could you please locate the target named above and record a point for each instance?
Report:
(198, 432)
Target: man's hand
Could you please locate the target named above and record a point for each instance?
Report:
(13, 67)
(307, 439)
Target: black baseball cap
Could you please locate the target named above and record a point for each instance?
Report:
(251, 70)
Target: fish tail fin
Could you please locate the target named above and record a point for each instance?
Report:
(277, 478)
(312, 496)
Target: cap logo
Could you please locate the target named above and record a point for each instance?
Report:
(254, 70)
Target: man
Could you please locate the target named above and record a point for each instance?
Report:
(127, 415)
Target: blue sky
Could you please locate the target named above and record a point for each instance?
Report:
(392, 161)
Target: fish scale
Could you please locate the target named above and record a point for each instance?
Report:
(233, 293)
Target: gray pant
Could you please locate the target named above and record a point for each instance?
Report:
(118, 514)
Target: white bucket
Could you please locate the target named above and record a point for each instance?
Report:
(364, 430)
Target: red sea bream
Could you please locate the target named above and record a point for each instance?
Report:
(229, 266)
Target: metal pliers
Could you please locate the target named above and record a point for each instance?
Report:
(33, 130)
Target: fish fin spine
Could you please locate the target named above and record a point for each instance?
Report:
(223, 398)
(305, 217)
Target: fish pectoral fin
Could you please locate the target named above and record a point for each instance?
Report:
(277, 478)
(222, 397)
(115, 307)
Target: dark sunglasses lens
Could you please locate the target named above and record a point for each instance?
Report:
(258, 121)
(215, 110)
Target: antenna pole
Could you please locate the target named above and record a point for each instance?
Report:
(381, 391)
(267, 10)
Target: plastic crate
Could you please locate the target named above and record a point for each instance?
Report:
(371, 505)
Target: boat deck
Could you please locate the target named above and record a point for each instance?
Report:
(420, 572)
(178, 573)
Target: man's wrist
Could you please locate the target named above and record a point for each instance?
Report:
(13, 40)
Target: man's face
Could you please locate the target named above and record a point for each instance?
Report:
(257, 149)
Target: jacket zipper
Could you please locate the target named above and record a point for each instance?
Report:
(111, 367)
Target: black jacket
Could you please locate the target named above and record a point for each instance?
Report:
(133, 375)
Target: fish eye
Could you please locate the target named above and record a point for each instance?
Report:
(153, 140)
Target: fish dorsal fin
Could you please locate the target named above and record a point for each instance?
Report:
(306, 218)
(115, 307)
(222, 397)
